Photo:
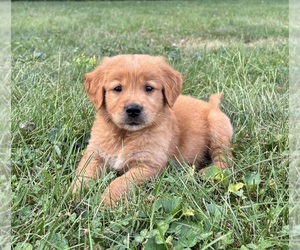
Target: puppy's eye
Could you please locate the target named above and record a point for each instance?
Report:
(148, 88)
(118, 89)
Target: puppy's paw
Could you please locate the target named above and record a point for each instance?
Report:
(114, 193)
(79, 186)
(111, 197)
(107, 199)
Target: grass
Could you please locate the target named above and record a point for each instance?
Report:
(238, 48)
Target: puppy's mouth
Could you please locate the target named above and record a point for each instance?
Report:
(133, 124)
(134, 121)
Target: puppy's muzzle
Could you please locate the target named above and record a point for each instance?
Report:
(133, 110)
(134, 115)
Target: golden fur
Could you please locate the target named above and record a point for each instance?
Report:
(142, 122)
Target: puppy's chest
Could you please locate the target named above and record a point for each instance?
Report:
(112, 152)
(117, 152)
(121, 154)
(115, 162)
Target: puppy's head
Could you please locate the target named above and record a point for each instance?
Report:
(133, 89)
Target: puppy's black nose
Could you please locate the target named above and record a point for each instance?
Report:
(133, 110)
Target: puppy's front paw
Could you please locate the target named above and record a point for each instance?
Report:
(110, 197)
(116, 191)
(79, 185)
(107, 199)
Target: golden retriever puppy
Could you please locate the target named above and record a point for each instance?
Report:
(142, 122)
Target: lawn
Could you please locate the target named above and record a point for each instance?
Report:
(240, 48)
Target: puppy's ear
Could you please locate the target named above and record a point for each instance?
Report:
(172, 83)
(94, 82)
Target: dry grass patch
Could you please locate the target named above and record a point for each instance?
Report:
(190, 44)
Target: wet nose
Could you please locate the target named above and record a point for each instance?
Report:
(133, 110)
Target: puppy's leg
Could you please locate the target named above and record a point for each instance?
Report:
(119, 187)
(89, 168)
(220, 133)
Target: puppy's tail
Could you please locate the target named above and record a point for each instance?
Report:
(215, 99)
